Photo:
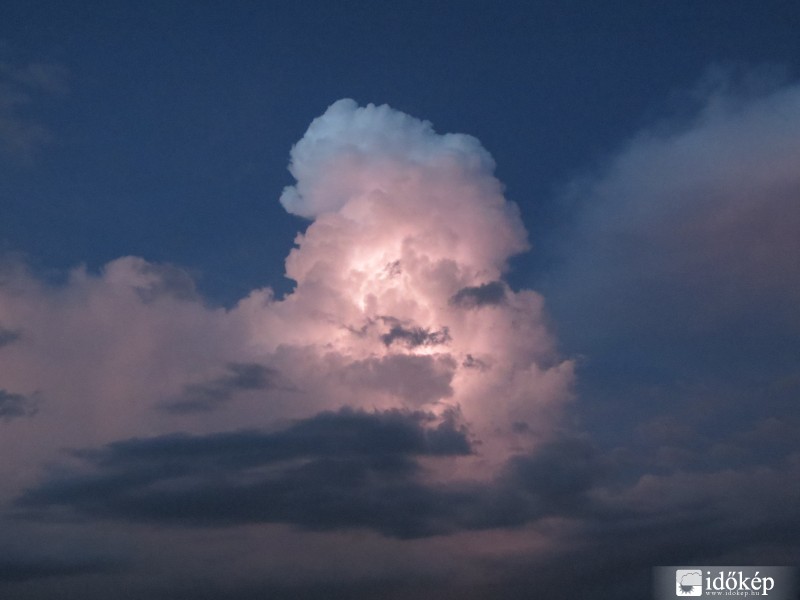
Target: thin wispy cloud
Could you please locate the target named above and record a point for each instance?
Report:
(21, 136)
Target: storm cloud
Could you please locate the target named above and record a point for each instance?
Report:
(334, 471)
(404, 401)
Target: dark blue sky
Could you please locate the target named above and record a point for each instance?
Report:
(159, 424)
(170, 137)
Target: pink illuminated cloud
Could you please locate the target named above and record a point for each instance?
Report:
(399, 304)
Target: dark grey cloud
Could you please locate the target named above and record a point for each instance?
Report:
(485, 294)
(18, 570)
(198, 397)
(413, 336)
(619, 529)
(556, 480)
(335, 470)
(558, 472)
(16, 405)
(350, 469)
(8, 336)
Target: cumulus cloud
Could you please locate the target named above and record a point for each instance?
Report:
(384, 175)
(384, 397)
(404, 390)
(405, 220)
(375, 140)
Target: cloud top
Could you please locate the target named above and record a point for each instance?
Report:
(373, 137)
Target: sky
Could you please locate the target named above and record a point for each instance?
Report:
(396, 299)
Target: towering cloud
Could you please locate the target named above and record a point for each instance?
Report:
(399, 305)
(397, 416)
(410, 230)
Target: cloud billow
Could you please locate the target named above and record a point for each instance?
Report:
(348, 134)
(402, 388)
(408, 227)
(334, 471)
